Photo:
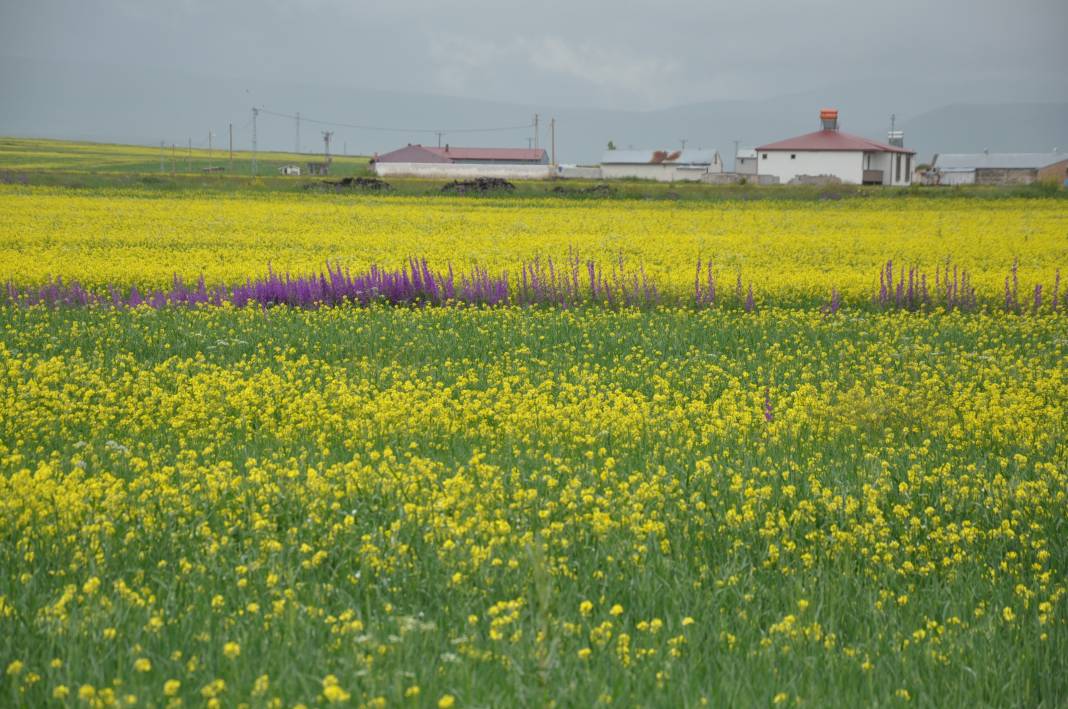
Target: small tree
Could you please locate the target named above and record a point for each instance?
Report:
(611, 145)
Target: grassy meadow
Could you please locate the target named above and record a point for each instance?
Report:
(787, 500)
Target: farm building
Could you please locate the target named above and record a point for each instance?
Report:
(660, 165)
(477, 156)
(449, 161)
(319, 168)
(998, 168)
(831, 154)
(745, 161)
(289, 170)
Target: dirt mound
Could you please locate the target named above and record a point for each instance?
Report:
(364, 184)
(478, 185)
(591, 191)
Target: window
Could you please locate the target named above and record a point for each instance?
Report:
(764, 156)
(793, 156)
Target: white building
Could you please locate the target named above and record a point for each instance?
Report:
(830, 153)
(289, 170)
(660, 165)
(745, 161)
(451, 162)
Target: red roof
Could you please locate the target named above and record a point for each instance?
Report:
(425, 153)
(833, 140)
(455, 153)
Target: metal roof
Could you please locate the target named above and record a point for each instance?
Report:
(425, 153)
(455, 153)
(657, 157)
(971, 161)
(823, 140)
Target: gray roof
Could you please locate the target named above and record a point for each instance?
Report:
(669, 157)
(971, 161)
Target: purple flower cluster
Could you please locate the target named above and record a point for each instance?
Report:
(953, 290)
(415, 283)
(704, 294)
(546, 282)
(538, 282)
(910, 290)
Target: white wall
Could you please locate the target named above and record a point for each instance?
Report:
(957, 177)
(658, 172)
(846, 165)
(463, 171)
(746, 166)
(887, 162)
(881, 161)
(578, 172)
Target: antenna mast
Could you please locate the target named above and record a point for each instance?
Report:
(327, 135)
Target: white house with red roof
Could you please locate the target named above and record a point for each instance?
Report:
(829, 152)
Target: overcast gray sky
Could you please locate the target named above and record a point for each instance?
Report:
(617, 54)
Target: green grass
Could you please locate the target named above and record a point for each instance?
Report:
(95, 165)
(410, 469)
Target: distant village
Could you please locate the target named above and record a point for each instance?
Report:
(825, 156)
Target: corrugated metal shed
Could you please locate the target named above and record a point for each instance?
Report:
(998, 161)
(659, 157)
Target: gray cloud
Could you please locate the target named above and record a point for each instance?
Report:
(618, 54)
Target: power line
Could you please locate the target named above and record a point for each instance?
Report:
(390, 129)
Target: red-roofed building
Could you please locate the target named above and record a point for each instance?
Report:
(475, 156)
(831, 153)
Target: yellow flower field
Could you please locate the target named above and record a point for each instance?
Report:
(519, 506)
(204, 503)
(787, 250)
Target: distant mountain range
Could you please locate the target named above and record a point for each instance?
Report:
(146, 105)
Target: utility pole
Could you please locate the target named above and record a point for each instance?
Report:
(683, 141)
(231, 147)
(210, 136)
(327, 135)
(174, 158)
(439, 138)
(161, 168)
(189, 156)
(255, 112)
(552, 134)
(736, 141)
(297, 149)
(535, 130)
